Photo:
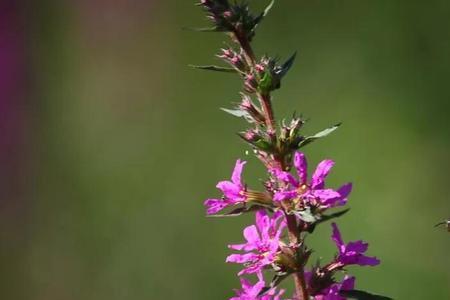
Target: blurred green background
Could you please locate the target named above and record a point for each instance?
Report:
(113, 143)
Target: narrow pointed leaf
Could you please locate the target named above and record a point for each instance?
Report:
(234, 213)
(325, 218)
(361, 295)
(204, 29)
(268, 8)
(277, 279)
(215, 68)
(236, 112)
(307, 215)
(318, 135)
(264, 13)
(237, 211)
(287, 65)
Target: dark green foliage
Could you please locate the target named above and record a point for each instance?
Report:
(361, 295)
(215, 68)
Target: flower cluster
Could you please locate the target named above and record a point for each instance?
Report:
(289, 205)
(288, 198)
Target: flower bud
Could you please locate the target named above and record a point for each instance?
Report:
(251, 136)
(250, 83)
(255, 138)
(234, 59)
(248, 106)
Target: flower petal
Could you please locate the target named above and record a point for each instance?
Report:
(357, 246)
(345, 190)
(285, 195)
(325, 195)
(348, 283)
(321, 172)
(215, 205)
(285, 176)
(301, 165)
(237, 246)
(252, 268)
(262, 220)
(254, 291)
(367, 261)
(236, 176)
(229, 189)
(241, 258)
(251, 235)
(336, 236)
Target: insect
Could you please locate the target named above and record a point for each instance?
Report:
(446, 223)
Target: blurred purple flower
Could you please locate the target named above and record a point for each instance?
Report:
(315, 192)
(263, 243)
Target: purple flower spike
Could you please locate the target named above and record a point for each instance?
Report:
(263, 243)
(351, 253)
(251, 292)
(233, 191)
(332, 293)
(315, 192)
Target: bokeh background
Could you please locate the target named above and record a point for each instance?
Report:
(109, 143)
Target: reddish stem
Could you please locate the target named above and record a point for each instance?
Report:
(265, 101)
(266, 104)
(299, 276)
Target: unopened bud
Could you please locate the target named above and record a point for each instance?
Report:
(251, 136)
(248, 106)
(259, 68)
(250, 83)
(234, 59)
(227, 14)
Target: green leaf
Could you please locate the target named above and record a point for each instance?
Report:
(268, 8)
(264, 13)
(277, 279)
(325, 218)
(237, 211)
(307, 215)
(287, 65)
(361, 295)
(215, 68)
(318, 135)
(236, 112)
(204, 29)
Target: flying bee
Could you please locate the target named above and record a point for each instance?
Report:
(446, 223)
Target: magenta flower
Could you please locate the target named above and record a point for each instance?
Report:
(263, 243)
(233, 191)
(251, 292)
(314, 192)
(351, 253)
(332, 292)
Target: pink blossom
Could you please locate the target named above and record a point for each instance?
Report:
(332, 292)
(351, 253)
(315, 191)
(251, 292)
(233, 191)
(263, 243)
